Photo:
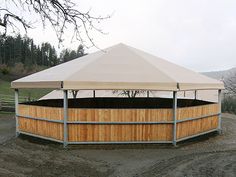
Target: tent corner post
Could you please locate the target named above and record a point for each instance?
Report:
(174, 116)
(65, 107)
(16, 111)
(219, 116)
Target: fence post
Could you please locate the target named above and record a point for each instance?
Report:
(65, 105)
(219, 117)
(174, 116)
(16, 110)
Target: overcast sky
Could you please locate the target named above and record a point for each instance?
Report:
(198, 34)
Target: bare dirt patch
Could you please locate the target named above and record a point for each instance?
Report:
(213, 155)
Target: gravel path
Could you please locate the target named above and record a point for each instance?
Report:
(213, 155)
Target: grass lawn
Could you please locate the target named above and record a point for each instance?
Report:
(4, 114)
(5, 89)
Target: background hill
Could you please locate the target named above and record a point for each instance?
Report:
(224, 74)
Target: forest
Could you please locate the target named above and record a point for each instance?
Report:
(19, 55)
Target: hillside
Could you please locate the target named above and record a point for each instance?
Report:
(224, 74)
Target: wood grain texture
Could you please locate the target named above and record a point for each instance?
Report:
(51, 113)
(120, 115)
(193, 127)
(116, 133)
(43, 128)
(197, 111)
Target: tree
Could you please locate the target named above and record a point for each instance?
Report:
(61, 14)
(80, 51)
(17, 49)
(64, 56)
(67, 54)
(230, 84)
(129, 93)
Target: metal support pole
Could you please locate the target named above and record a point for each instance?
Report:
(148, 93)
(94, 94)
(195, 94)
(65, 105)
(16, 110)
(174, 116)
(219, 117)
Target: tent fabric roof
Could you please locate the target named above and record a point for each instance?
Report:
(119, 67)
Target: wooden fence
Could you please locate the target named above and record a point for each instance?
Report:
(117, 125)
(7, 102)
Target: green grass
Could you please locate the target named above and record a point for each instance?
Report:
(5, 89)
(2, 113)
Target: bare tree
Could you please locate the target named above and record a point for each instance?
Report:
(230, 84)
(61, 14)
(129, 93)
(74, 93)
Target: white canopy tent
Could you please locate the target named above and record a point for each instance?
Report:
(120, 67)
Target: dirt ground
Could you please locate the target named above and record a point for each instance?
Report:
(212, 155)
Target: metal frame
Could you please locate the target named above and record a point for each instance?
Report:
(219, 116)
(120, 142)
(39, 136)
(16, 110)
(65, 106)
(65, 143)
(66, 122)
(174, 116)
(193, 136)
(42, 119)
(201, 117)
(119, 123)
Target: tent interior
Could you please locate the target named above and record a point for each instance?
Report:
(113, 103)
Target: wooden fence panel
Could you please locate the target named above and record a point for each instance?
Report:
(197, 111)
(51, 113)
(120, 115)
(193, 127)
(117, 132)
(122, 133)
(42, 128)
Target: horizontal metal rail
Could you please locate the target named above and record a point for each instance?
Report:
(192, 136)
(97, 142)
(42, 119)
(119, 142)
(119, 123)
(196, 118)
(39, 136)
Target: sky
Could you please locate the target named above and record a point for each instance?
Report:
(197, 34)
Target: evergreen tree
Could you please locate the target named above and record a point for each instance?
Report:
(23, 51)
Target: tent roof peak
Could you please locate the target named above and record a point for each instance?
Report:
(120, 67)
